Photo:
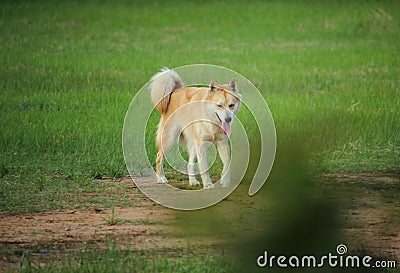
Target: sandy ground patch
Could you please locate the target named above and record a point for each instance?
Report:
(372, 215)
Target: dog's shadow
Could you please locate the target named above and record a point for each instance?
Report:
(183, 183)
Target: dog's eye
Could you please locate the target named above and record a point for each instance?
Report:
(231, 105)
(219, 105)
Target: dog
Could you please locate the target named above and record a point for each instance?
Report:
(196, 116)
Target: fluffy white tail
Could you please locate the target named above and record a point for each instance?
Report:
(162, 86)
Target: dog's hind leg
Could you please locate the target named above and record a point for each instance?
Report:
(224, 154)
(160, 167)
(191, 171)
(166, 138)
(201, 149)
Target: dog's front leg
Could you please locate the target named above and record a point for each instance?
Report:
(203, 166)
(224, 154)
(191, 171)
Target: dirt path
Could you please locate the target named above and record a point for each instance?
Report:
(372, 214)
(147, 226)
(371, 209)
(62, 227)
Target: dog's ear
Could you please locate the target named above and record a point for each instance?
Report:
(232, 85)
(213, 85)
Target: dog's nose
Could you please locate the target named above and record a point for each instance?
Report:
(228, 119)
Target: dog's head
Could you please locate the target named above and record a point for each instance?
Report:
(224, 103)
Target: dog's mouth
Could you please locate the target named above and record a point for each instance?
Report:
(226, 127)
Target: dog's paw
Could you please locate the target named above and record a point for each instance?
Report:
(193, 182)
(225, 182)
(209, 186)
(162, 180)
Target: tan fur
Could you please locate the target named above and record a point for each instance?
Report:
(196, 116)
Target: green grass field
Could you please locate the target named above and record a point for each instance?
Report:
(329, 71)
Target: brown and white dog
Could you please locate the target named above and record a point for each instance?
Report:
(197, 116)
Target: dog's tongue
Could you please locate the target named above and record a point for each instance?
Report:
(226, 128)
